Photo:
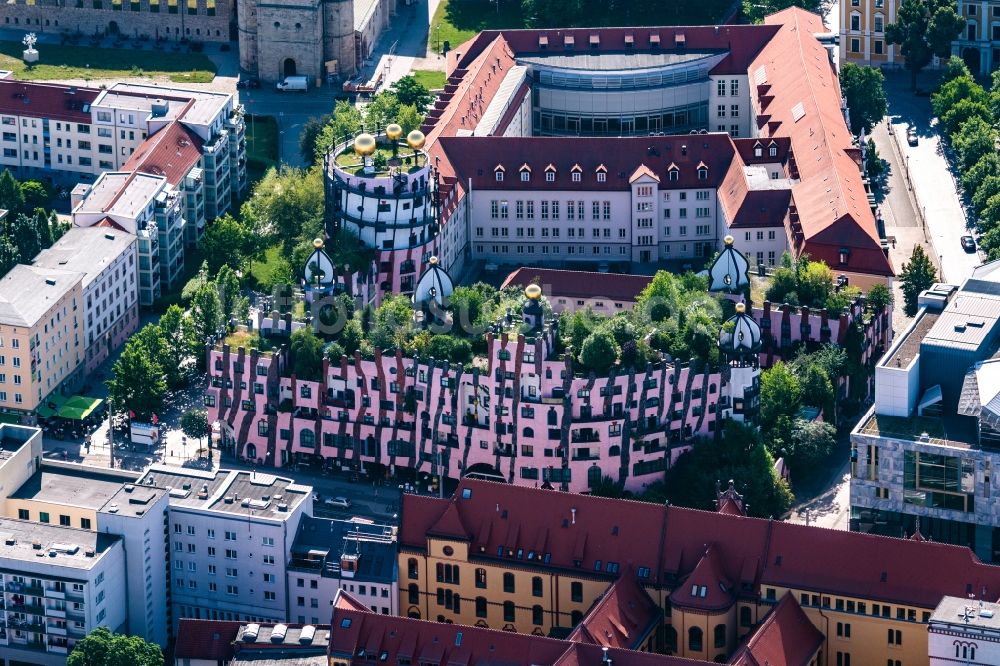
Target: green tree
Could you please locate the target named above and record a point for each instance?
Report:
(599, 351)
(954, 68)
(11, 198)
(409, 118)
(43, 228)
(309, 136)
(411, 92)
(815, 283)
(194, 424)
(226, 242)
(287, 205)
(307, 355)
(817, 389)
(878, 297)
(875, 166)
(974, 140)
(809, 443)
(180, 346)
(137, 381)
(924, 29)
(578, 326)
(607, 487)
(24, 233)
(34, 194)
(988, 188)
(9, 255)
(228, 286)
(917, 275)
(977, 173)
(783, 286)
(738, 454)
(381, 111)
(345, 122)
(101, 647)
(206, 314)
(864, 89)
(756, 10)
(780, 394)
(964, 112)
(953, 91)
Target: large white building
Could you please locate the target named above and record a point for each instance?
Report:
(108, 259)
(230, 535)
(146, 206)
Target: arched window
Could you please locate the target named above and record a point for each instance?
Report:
(553, 417)
(413, 592)
(412, 569)
(481, 578)
(508, 583)
(720, 635)
(480, 606)
(536, 588)
(528, 432)
(670, 637)
(537, 615)
(508, 611)
(307, 438)
(695, 638)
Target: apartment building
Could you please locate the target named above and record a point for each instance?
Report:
(41, 335)
(330, 555)
(923, 457)
(147, 207)
(697, 584)
(230, 533)
(108, 259)
(862, 32)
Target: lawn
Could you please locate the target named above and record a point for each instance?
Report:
(262, 146)
(429, 78)
(262, 271)
(456, 21)
(85, 62)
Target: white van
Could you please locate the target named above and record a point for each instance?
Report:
(298, 83)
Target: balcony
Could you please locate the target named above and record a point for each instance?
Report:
(23, 588)
(587, 435)
(54, 594)
(56, 612)
(53, 630)
(58, 649)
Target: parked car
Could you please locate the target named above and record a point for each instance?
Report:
(338, 502)
(249, 83)
(911, 136)
(968, 243)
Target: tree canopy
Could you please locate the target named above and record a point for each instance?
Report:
(924, 29)
(101, 647)
(864, 89)
(917, 275)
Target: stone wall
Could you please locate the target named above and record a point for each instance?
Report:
(105, 17)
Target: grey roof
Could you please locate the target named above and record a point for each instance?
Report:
(965, 612)
(87, 250)
(27, 292)
(604, 61)
(62, 546)
(238, 492)
(13, 437)
(133, 500)
(319, 543)
(279, 658)
(82, 487)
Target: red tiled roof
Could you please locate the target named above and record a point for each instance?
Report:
(110, 224)
(476, 158)
(210, 640)
(575, 531)
(172, 152)
(580, 284)
(46, 100)
(803, 102)
(623, 617)
(786, 638)
(707, 588)
(355, 628)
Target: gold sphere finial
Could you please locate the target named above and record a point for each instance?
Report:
(433, 261)
(364, 144)
(533, 292)
(415, 139)
(393, 131)
(318, 243)
(741, 308)
(728, 240)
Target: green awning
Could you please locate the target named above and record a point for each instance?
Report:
(50, 406)
(13, 419)
(78, 407)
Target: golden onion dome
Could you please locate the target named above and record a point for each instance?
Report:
(728, 240)
(533, 292)
(415, 139)
(393, 131)
(364, 145)
(741, 308)
(433, 261)
(318, 243)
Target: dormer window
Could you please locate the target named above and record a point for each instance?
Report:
(601, 177)
(773, 150)
(525, 176)
(673, 173)
(844, 255)
(568, 42)
(702, 171)
(498, 172)
(576, 176)
(757, 150)
(550, 177)
(595, 41)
